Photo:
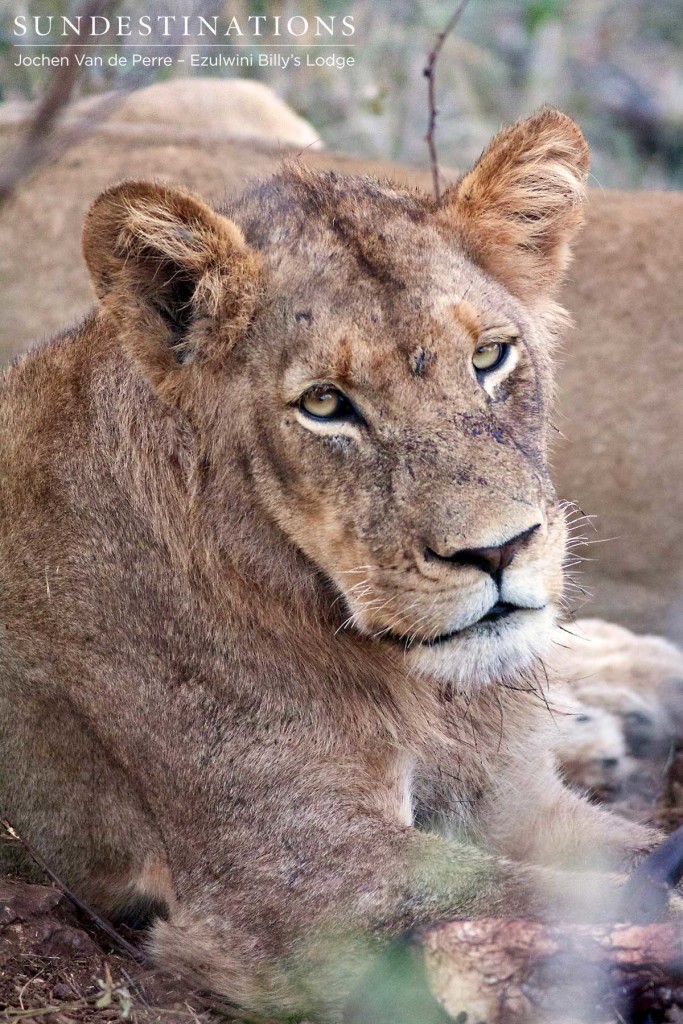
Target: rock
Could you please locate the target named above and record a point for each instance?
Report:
(20, 901)
(55, 939)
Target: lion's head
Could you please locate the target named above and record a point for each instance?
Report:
(383, 367)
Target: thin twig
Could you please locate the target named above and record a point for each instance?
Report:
(430, 74)
(101, 922)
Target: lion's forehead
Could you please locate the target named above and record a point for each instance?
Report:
(443, 299)
(336, 227)
(369, 287)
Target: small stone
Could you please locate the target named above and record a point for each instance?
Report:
(55, 939)
(62, 991)
(20, 901)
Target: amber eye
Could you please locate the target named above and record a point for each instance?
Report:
(326, 403)
(489, 355)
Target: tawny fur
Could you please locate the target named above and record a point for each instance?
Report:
(220, 692)
(197, 109)
(519, 208)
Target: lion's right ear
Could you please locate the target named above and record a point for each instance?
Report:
(518, 209)
(178, 277)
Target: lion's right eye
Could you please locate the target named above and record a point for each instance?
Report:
(326, 403)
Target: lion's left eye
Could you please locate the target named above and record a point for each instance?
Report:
(489, 355)
(326, 403)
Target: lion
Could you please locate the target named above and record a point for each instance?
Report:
(651, 659)
(206, 109)
(618, 377)
(279, 552)
(196, 110)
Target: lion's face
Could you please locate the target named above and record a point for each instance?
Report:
(402, 409)
(395, 377)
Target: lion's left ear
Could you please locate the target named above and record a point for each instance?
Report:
(178, 278)
(518, 209)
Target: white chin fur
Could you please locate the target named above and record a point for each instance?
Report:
(492, 652)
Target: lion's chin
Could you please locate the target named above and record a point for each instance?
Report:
(497, 650)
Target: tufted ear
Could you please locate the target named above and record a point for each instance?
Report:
(518, 209)
(179, 278)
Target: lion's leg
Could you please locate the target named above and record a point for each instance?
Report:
(74, 804)
(299, 929)
(532, 816)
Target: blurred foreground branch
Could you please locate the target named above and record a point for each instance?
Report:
(524, 972)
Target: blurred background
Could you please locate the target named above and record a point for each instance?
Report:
(616, 66)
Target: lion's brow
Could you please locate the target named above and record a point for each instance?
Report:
(342, 361)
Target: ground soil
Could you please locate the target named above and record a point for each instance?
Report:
(58, 967)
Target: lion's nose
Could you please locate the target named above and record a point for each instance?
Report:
(490, 560)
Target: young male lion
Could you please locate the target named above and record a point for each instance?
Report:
(279, 553)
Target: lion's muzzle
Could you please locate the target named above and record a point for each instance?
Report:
(491, 560)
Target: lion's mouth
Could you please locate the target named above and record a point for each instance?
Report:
(500, 610)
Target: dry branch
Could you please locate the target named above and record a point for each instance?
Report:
(37, 144)
(430, 74)
(515, 972)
